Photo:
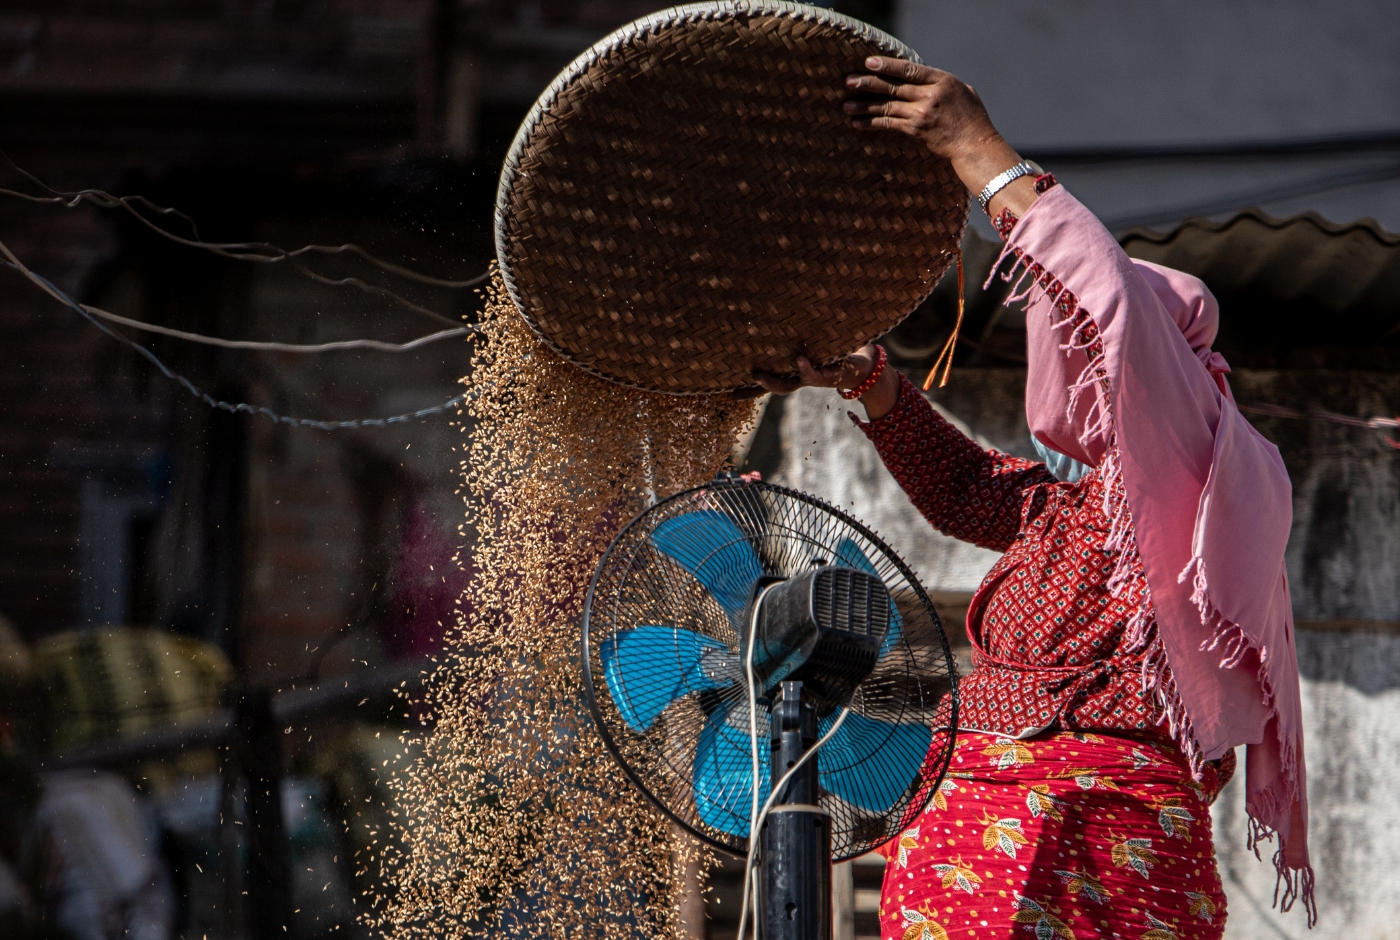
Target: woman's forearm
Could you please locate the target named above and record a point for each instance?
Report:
(965, 491)
(986, 159)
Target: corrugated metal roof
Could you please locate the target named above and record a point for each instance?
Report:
(1295, 292)
(1288, 284)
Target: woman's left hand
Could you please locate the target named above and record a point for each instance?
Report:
(846, 374)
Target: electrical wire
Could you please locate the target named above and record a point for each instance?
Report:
(375, 289)
(335, 346)
(1279, 411)
(249, 251)
(767, 808)
(1317, 414)
(753, 753)
(235, 408)
(1345, 144)
(263, 252)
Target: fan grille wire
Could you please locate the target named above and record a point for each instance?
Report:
(637, 585)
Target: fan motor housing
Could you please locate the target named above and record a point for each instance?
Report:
(824, 628)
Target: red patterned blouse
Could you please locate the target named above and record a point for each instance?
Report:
(1048, 639)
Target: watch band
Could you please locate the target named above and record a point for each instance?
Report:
(1000, 181)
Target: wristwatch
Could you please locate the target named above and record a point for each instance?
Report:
(1000, 181)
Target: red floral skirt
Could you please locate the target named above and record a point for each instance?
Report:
(1070, 836)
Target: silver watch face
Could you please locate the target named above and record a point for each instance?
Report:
(1034, 167)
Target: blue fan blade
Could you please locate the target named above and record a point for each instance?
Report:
(872, 762)
(647, 668)
(723, 775)
(712, 548)
(850, 555)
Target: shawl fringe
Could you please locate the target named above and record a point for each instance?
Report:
(1290, 884)
(1277, 800)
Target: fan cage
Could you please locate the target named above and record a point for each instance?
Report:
(637, 584)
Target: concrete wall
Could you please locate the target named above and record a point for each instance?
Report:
(1343, 568)
(1344, 572)
(1095, 73)
(1351, 694)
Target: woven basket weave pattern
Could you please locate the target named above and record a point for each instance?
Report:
(688, 203)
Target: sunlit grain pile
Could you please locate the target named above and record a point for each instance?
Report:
(518, 821)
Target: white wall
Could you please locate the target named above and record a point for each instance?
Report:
(1133, 72)
(1351, 697)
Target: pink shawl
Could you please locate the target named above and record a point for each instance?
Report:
(1203, 510)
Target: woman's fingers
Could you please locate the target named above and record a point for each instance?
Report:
(931, 106)
(895, 96)
(807, 374)
(811, 375)
(881, 108)
(883, 123)
(895, 78)
(903, 71)
(822, 377)
(777, 384)
(874, 85)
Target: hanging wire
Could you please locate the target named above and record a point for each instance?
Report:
(53, 291)
(1279, 411)
(1255, 197)
(334, 346)
(1317, 414)
(262, 252)
(375, 289)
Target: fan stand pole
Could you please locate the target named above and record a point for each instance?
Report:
(796, 837)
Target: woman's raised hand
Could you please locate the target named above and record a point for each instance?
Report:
(943, 113)
(928, 104)
(948, 117)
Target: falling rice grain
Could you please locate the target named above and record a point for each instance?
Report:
(518, 820)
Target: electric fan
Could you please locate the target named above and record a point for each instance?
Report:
(730, 629)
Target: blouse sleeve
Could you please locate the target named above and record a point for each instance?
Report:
(964, 490)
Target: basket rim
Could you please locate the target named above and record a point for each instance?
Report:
(685, 13)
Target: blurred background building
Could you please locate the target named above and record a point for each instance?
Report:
(144, 536)
(255, 562)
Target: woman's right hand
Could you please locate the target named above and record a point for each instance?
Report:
(943, 113)
(846, 374)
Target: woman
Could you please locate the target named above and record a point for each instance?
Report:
(1137, 627)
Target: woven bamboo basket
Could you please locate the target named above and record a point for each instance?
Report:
(687, 203)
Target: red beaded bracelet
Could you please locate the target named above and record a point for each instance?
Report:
(853, 393)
